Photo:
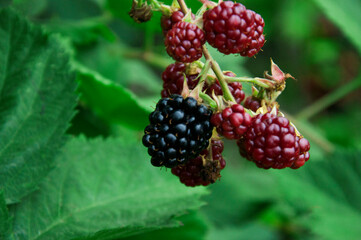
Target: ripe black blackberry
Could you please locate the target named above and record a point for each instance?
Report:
(270, 142)
(231, 28)
(179, 130)
(184, 42)
(173, 79)
(204, 169)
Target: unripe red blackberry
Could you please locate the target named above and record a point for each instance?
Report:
(197, 172)
(179, 130)
(231, 28)
(304, 155)
(184, 42)
(270, 142)
(235, 88)
(252, 103)
(167, 22)
(232, 122)
(173, 79)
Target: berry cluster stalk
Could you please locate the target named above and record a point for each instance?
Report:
(215, 66)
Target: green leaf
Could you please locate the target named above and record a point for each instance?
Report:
(330, 195)
(83, 32)
(103, 189)
(30, 7)
(5, 222)
(108, 60)
(37, 101)
(252, 231)
(193, 227)
(110, 100)
(346, 15)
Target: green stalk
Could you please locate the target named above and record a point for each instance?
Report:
(261, 82)
(329, 99)
(215, 66)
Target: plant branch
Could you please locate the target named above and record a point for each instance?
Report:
(221, 78)
(329, 99)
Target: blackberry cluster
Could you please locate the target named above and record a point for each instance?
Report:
(232, 122)
(184, 42)
(231, 28)
(204, 169)
(271, 142)
(179, 130)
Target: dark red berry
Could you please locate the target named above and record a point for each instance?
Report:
(235, 88)
(252, 103)
(232, 122)
(167, 22)
(184, 42)
(204, 169)
(231, 28)
(304, 155)
(179, 130)
(270, 142)
(173, 79)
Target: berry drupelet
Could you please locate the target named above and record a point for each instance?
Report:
(252, 103)
(184, 42)
(304, 146)
(204, 169)
(270, 142)
(179, 130)
(232, 122)
(231, 28)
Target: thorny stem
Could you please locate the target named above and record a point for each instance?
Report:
(261, 82)
(329, 99)
(215, 67)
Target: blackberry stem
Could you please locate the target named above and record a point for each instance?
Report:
(156, 4)
(261, 82)
(221, 78)
(215, 66)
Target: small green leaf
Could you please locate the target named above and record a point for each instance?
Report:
(5, 222)
(346, 15)
(110, 100)
(103, 189)
(37, 103)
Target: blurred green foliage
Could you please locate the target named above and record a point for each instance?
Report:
(118, 64)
